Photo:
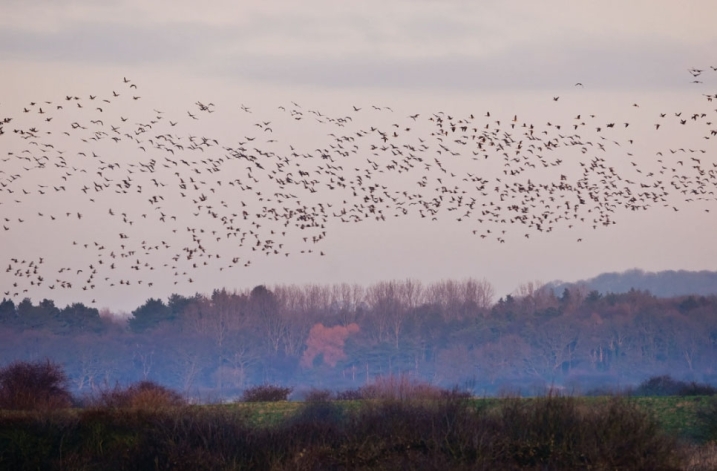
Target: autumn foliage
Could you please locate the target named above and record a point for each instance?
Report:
(33, 386)
(142, 395)
(327, 341)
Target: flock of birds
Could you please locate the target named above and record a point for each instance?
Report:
(144, 196)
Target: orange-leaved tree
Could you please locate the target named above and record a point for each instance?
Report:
(327, 341)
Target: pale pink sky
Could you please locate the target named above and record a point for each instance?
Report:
(460, 57)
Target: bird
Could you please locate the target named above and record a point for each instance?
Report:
(352, 177)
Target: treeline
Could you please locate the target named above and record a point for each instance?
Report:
(343, 336)
(663, 283)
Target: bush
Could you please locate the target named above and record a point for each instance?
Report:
(317, 395)
(349, 395)
(34, 386)
(707, 415)
(321, 413)
(142, 395)
(549, 432)
(667, 386)
(557, 432)
(698, 389)
(401, 388)
(266, 393)
(699, 457)
(658, 386)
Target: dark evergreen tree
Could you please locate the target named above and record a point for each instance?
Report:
(149, 315)
(80, 318)
(44, 316)
(8, 315)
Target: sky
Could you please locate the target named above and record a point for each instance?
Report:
(344, 68)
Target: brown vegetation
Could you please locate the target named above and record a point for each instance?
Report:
(34, 386)
(699, 457)
(404, 388)
(266, 393)
(450, 433)
(143, 395)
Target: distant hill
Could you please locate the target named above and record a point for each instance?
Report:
(662, 284)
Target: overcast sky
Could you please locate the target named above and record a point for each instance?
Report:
(459, 57)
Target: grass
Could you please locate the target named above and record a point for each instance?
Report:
(676, 415)
(700, 457)
(265, 414)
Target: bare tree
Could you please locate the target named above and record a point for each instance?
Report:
(196, 317)
(264, 310)
(299, 309)
(88, 370)
(459, 298)
(535, 296)
(480, 292)
(241, 358)
(504, 357)
(144, 358)
(554, 346)
(347, 300)
(188, 364)
(391, 303)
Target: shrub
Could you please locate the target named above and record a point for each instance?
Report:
(34, 386)
(349, 395)
(658, 386)
(142, 395)
(317, 395)
(697, 389)
(699, 457)
(266, 393)
(707, 415)
(667, 386)
(555, 432)
(319, 413)
(401, 388)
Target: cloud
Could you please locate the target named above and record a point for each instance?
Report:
(601, 65)
(388, 44)
(101, 43)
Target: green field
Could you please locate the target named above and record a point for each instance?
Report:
(677, 415)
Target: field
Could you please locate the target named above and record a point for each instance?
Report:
(676, 415)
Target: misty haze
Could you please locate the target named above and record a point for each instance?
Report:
(338, 337)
